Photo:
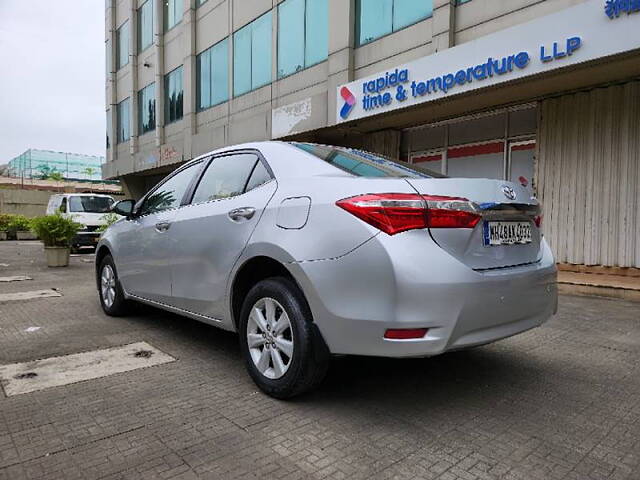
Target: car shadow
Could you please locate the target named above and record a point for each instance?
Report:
(492, 370)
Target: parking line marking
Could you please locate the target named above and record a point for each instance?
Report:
(26, 377)
(15, 278)
(11, 297)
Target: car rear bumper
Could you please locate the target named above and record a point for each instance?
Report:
(407, 281)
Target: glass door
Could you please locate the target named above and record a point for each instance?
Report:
(522, 163)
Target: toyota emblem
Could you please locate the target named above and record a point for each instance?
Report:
(509, 192)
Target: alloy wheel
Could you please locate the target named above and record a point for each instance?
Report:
(108, 285)
(270, 338)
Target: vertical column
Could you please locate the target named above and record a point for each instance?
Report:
(444, 14)
(341, 46)
(189, 76)
(159, 75)
(111, 92)
(133, 71)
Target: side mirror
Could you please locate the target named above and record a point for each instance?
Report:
(124, 208)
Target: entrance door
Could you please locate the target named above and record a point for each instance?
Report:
(521, 163)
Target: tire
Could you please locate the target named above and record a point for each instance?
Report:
(309, 360)
(115, 304)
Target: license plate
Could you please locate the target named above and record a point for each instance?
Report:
(506, 233)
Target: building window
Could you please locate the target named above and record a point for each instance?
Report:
(172, 13)
(145, 25)
(147, 109)
(173, 96)
(303, 35)
(376, 18)
(107, 57)
(212, 85)
(123, 121)
(122, 47)
(108, 129)
(460, 2)
(252, 55)
(200, 2)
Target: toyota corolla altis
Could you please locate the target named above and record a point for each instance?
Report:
(309, 251)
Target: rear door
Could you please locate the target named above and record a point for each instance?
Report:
(208, 236)
(507, 233)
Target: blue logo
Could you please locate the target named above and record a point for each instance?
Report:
(613, 8)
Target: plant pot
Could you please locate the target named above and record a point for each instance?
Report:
(3, 235)
(25, 235)
(57, 256)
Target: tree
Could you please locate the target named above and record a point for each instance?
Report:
(44, 170)
(56, 176)
(90, 172)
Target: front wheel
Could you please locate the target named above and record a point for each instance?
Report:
(281, 346)
(111, 295)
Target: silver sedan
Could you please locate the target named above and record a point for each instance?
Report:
(309, 251)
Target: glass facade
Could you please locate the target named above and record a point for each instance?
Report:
(123, 121)
(122, 47)
(147, 109)
(173, 91)
(303, 35)
(172, 13)
(145, 25)
(376, 18)
(41, 163)
(252, 55)
(212, 84)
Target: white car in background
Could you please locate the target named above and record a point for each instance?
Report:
(88, 209)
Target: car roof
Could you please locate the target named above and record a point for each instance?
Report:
(279, 155)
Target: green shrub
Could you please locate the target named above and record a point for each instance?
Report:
(55, 230)
(109, 219)
(5, 218)
(18, 223)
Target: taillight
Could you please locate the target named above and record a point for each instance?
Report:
(398, 212)
(450, 212)
(390, 212)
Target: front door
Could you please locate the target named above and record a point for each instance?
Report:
(143, 257)
(208, 236)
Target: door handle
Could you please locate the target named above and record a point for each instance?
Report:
(238, 214)
(162, 226)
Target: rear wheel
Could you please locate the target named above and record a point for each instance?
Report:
(109, 289)
(282, 349)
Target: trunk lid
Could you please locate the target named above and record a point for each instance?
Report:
(496, 201)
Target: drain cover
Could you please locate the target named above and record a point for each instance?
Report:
(143, 354)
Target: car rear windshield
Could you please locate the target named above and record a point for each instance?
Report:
(365, 164)
(90, 204)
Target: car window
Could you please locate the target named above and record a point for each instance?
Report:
(260, 176)
(170, 193)
(226, 177)
(63, 205)
(90, 204)
(365, 164)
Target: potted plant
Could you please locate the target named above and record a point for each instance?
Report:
(19, 228)
(4, 225)
(56, 233)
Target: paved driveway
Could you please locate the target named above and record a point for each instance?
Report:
(562, 401)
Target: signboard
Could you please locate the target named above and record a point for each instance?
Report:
(574, 35)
